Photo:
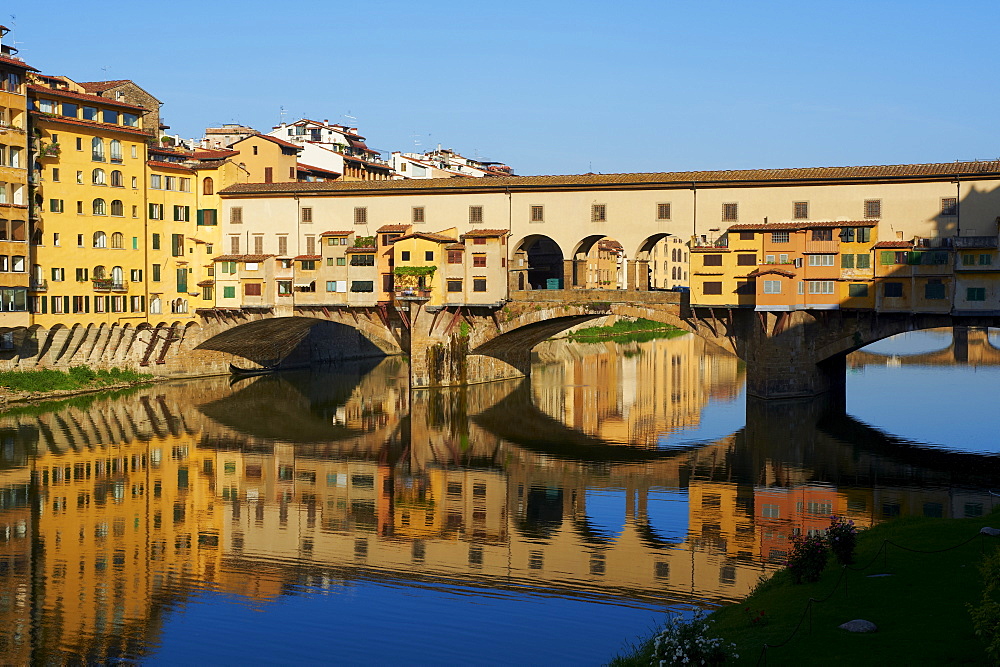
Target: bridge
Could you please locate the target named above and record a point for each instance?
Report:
(968, 347)
(787, 354)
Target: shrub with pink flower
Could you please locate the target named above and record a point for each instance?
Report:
(842, 537)
(808, 557)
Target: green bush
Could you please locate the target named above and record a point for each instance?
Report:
(78, 377)
(808, 557)
(986, 615)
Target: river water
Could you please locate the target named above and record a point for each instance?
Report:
(332, 516)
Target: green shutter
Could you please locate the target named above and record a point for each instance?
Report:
(887, 257)
(847, 261)
(201, 216)
(914, 257)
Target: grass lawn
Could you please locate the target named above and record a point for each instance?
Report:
(640, 329)
(920, 610)
(78, 377)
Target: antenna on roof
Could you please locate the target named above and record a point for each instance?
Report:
(13, 21)
(281, 115)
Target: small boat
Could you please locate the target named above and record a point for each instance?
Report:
(236, 370)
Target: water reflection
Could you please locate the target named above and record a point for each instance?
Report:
(574, 489)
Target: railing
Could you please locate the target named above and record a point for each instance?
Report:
(110, 285)
(39, 285)
(413, 293)
(827, 247)
(704, 243)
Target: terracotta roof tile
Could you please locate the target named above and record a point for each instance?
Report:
(764, 272)
(168, 165)
(101, 86)
(485, 233)
(83, 96)
(209, 154)
(16, 62)
(429, 236)
(392, 228)
(106, 127)
(308, 257)
(455, 246)
(241, 258)
(792, 226)
(906, 245)
(205, 283)
(268, 137)
(680, 179)
(368, 249)
(309, 167)
(347, 232)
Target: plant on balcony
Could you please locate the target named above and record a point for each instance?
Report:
(364, 242)
(415, 271)
(49, 150)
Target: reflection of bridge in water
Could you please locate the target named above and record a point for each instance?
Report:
(969, 347)
(137, 500)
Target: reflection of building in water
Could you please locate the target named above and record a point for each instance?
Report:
(143, 499)
(634, 393)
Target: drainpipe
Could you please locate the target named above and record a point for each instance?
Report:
(694, 214)
(958, 206)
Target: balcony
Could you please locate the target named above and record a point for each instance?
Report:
(702, 242)
(110, 285)
(39, 285)
(413, 294)
(823, 247)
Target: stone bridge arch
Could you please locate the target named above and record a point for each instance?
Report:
(296, 340)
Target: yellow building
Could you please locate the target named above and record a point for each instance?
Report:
(91, 193)
(172, 212)
(14, 220)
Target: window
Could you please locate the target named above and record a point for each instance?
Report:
(479, 260)
(55, 174)
(185, 184)
(118, 240)
(892, 290)
(949, 206)
(234, 245)
(177, 245)
(89, 113)
(156, 273)
(360, 216)
(712, 260)
(58, 275)
(285, 287)
(537, 213)
(417, 214)
(975, 294)
(663, 211)
(864, 261)
(117, 180)
(307, 214)
(156, 211)
(117, 208)
(56, 205)
(598, 213)
(362, 260)
(116, 151)
(341, 261)
(207, 217)
(821, 260)
(890, 257)
(97, 149)
(455, 257)
(156, 182)
(821, 287)
(282, 245)
(479, 284)
(454, 285)
(822, 235)
(475, 214)
(229, 292)
(800, 211)
(746, 236)
(857, 290)
(746, 260)
(100, 240)
(208, 187)
(779, 237)
(404, 256)
(135, 275)
(429, 255)
(258, 244)
(130, 119)
(985, 259)
(98, 177)
(170, 182)
(252, 289)
(182, 213)
(236, 215)
(873, 208)
(730, 212)
(308, 265)
(362, 285)
(772, 287)
(714, 287)
(934, 289)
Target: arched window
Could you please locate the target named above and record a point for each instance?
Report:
(100, 207)
(117, 180)
(98, 177)
(116, 151)
(155, 306)
(117, 240)
(98, 272)
(117, 276)
(97, 149)
(117, 208)
(208, 187)
(100, 241)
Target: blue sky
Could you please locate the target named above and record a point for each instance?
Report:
(560, 87)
